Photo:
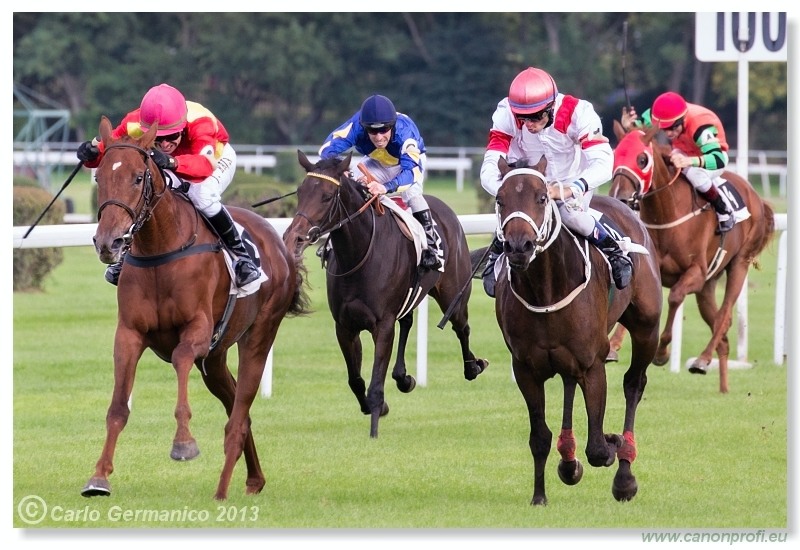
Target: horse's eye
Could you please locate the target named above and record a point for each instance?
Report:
(499, 203)
(641, 161)
(327, 197)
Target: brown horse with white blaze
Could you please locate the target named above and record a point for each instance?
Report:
(173, 292)
(692, 255)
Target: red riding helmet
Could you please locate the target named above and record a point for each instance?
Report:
(166, 106)
(669, 108)
(532, 90)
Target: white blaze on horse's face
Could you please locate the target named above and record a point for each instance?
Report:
(115, 166)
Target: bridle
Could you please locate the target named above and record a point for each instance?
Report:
(148, 200)
(143, 211)
(546, 234)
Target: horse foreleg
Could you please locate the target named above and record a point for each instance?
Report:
(383, 338)
(690, 282)
(128, 349)
(184, 446)
(540, 438)
(405, 382)
(570, 469)
(624, 487)
(350, 344)
(600, 449)
(707, 305)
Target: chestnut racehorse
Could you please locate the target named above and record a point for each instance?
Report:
(692, 256)
(174, 291)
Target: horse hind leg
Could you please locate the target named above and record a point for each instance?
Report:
(473, 366)
(221, 383)
(405, 382)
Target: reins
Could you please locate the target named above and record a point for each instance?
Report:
(547, 233)
(315, 232)
(146, 206)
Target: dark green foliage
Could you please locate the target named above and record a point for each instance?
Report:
(32, 265)
(248, 189)
(287, 168)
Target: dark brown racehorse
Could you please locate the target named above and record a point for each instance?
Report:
(683, 227)
(372, 276)
(173, 290)
(555, 304)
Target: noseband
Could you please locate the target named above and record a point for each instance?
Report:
(546, 234)
(148, 200)
(316, 231)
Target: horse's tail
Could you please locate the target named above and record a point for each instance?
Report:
(301, 303)
(766, 234)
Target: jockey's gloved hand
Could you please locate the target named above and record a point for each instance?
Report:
(87, 152)
(163, 160)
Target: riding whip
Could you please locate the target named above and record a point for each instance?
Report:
(273, 199)
(69, 179)
(451, 308)
(624, 54)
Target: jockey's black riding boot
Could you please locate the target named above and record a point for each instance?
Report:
(495, 249)
(724, 213)
(432, 257)
(621, 265)
(246, 270)
(113, 271)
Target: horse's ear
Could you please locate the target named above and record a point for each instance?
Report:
(502, 165)
(541, 166)
(650, 134)
(149, 137)
(344, 164)
(304, 162)
(105, 129)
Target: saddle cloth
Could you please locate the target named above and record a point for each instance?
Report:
(417, 234)
(734, 199)
(250, 288)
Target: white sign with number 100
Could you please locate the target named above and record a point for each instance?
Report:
(734, 36)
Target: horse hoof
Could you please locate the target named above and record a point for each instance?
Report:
(96, 487)
(406, 383)
(570, 472)
(612, 357)
(699, 367)
(539, 501)
(624, 487)
(473, 368)
(183, 451)
(660, 360)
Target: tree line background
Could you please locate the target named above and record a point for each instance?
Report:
(290, 78)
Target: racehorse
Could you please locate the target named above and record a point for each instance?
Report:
(372, 276)
(173, 288)
(683, 227)
(555, 304)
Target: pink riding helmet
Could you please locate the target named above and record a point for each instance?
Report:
(165, 106)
